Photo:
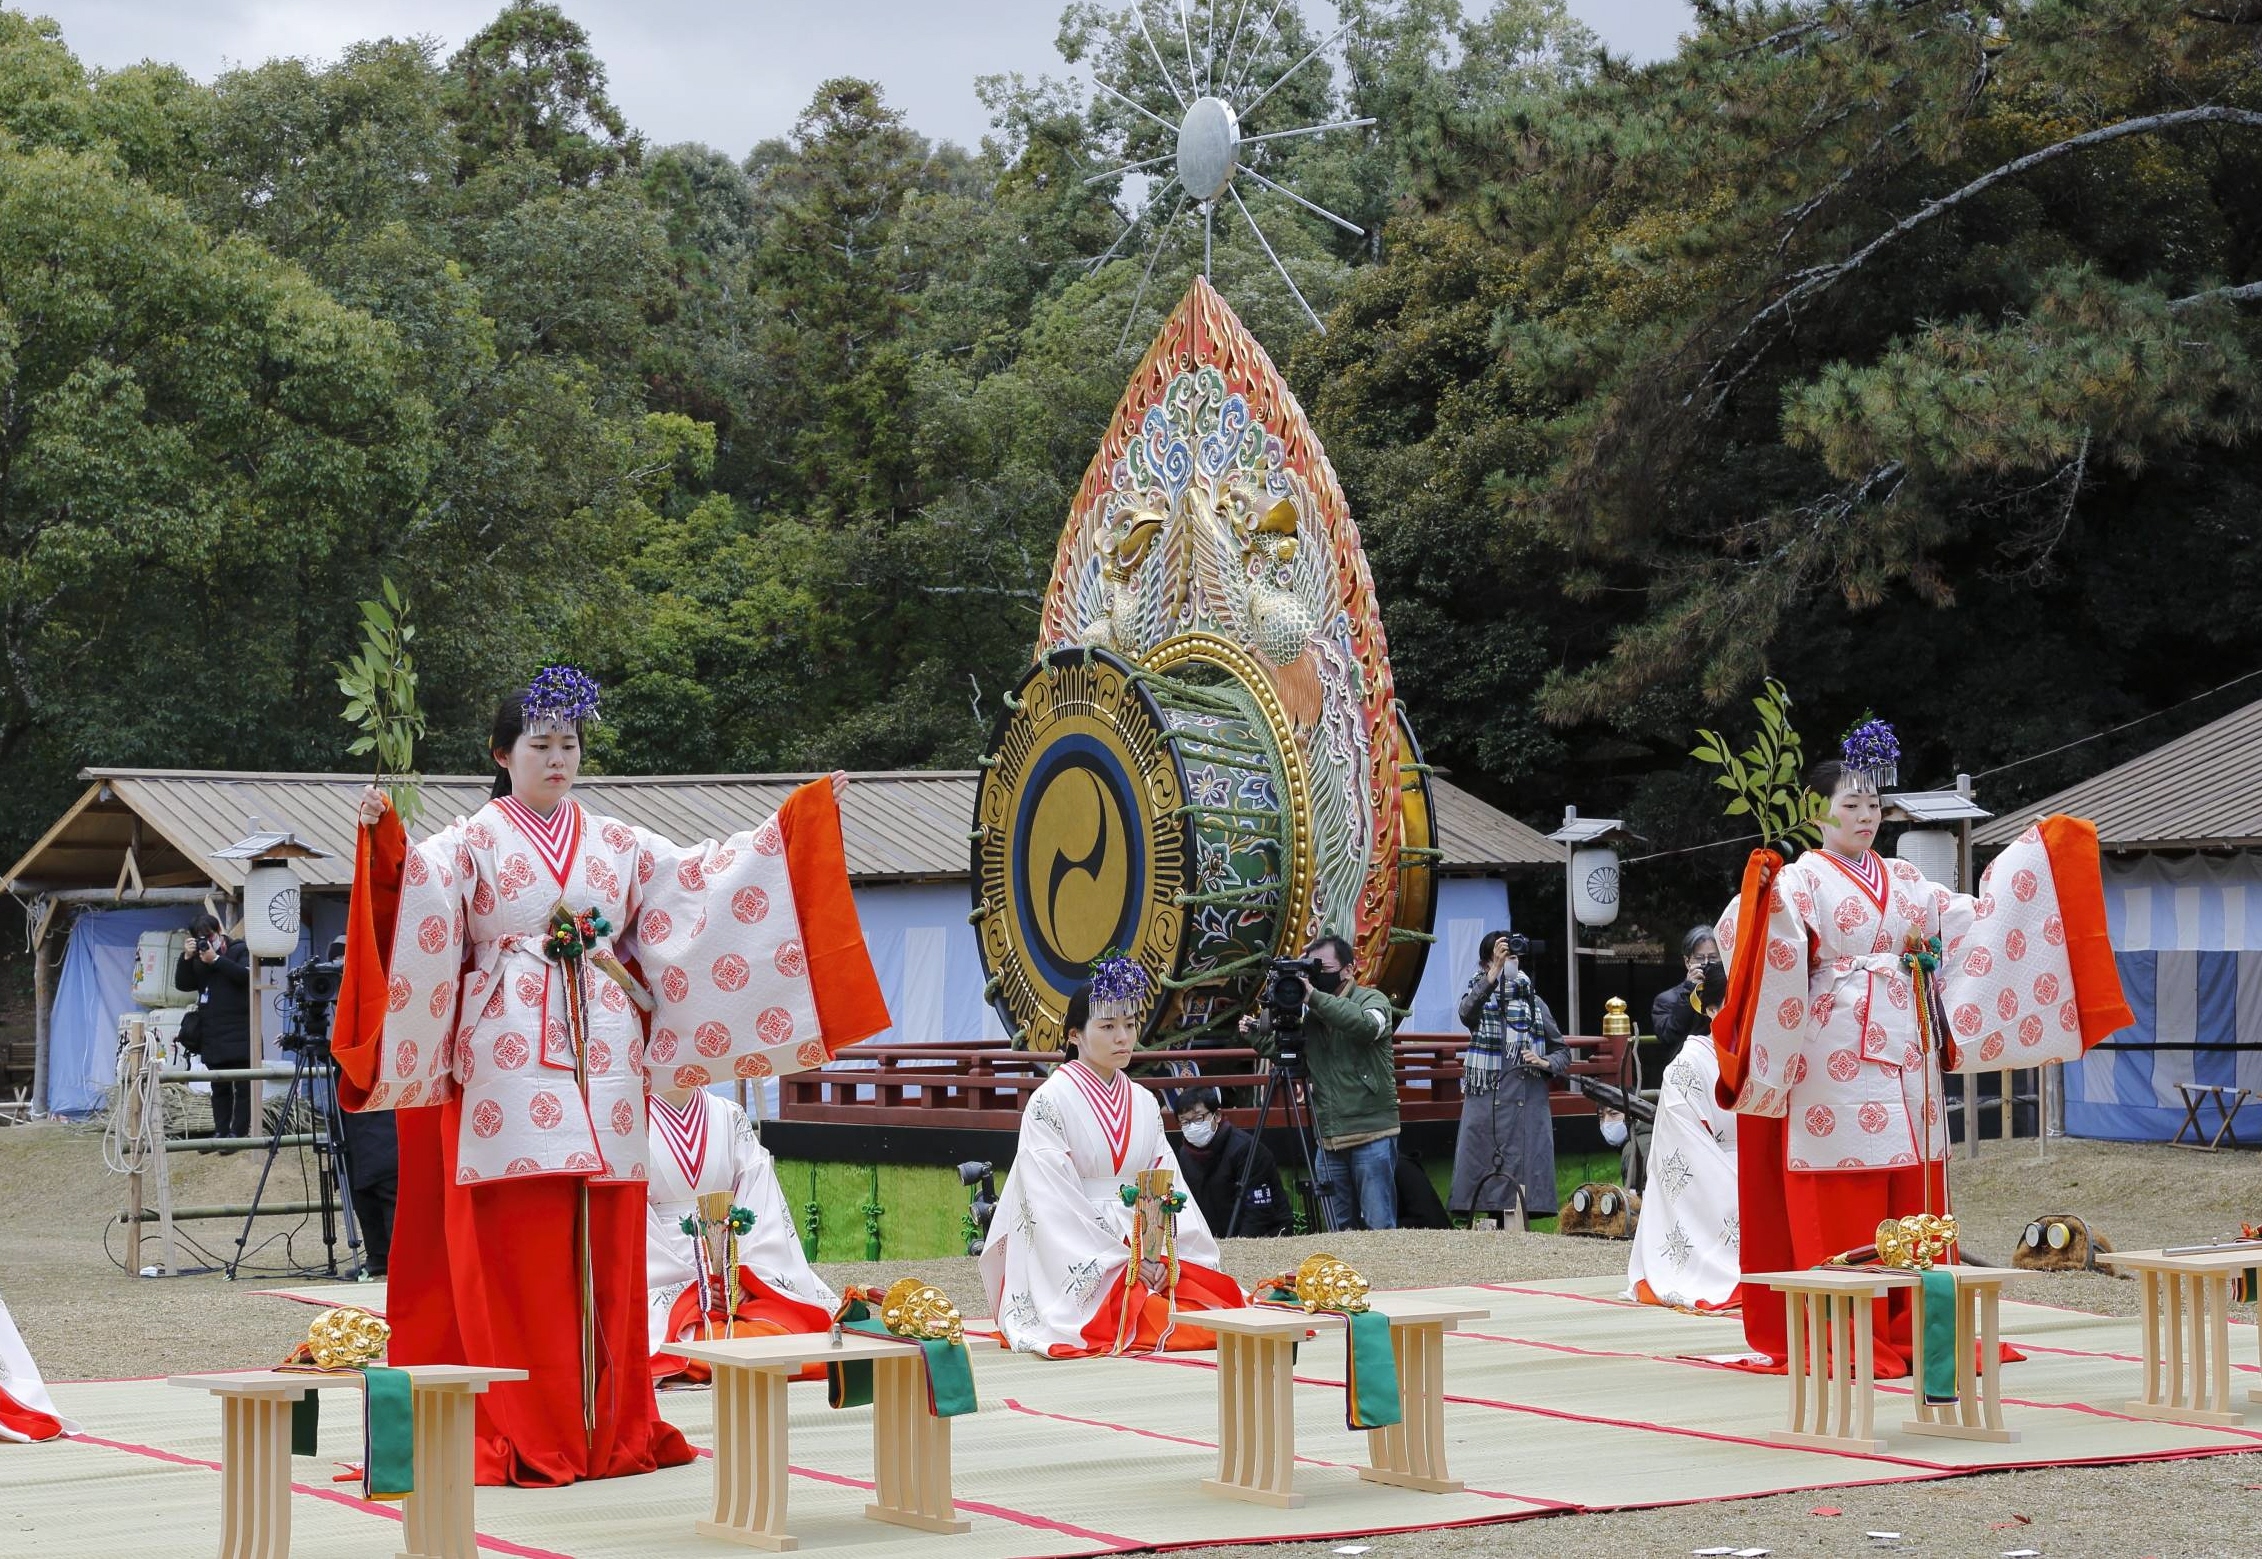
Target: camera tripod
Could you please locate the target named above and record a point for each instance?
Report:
(314, 1082)
(1291, 1084)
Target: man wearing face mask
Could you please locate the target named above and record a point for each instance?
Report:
(1347, 1049)
(1216, 1158)
(1506, 1152)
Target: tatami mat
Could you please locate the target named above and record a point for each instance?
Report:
(366, 1296)
(1565, 1399)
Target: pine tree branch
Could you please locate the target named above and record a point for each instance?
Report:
(1721, 381)
(2249, 293)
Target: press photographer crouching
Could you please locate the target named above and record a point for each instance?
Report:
(219, 971)
(1218, 1158)
(1343, 1040)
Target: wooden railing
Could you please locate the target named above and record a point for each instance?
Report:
(983, 1087)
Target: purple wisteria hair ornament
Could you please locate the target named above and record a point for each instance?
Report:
(559, 696)
(1872, 751)
(1120, 986)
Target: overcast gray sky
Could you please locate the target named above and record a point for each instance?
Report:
(727, 72)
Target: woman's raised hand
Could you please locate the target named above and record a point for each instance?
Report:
(840, 784)
(374, 805)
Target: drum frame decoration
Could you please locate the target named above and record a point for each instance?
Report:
(1210, 650)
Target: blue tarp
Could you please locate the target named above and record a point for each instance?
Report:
(96, 988)
(2198, 1020)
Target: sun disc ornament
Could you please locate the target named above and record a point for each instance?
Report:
(1213, 154)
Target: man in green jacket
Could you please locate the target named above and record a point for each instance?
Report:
(1347, 1051)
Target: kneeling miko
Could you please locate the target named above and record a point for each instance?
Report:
(703, 1146)
(1062, 1275)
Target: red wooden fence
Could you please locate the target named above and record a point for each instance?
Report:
(982, 1087)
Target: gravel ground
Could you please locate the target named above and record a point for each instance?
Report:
(84, 1319)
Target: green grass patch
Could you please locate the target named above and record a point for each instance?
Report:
(922, 1209)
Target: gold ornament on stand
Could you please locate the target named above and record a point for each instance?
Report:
(342, 1339)
(922, 1312)
(1322, 1282)
(1916, 1242)
(1616, 1024)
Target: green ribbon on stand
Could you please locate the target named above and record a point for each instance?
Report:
(1370, 1394)
(388, 1431)
(2247, 1287)
(1939, 1335)
(950, 1369)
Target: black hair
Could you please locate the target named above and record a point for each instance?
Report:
(1209, 1098)
(510, 725)
(1342, 949)
(1697, 936)
(1825, 777)
(1079, 1013)
(205, 925)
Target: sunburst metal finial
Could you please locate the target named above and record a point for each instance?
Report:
(1211, 153)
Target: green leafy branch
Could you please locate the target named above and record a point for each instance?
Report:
(380, 688)
(1763, 780)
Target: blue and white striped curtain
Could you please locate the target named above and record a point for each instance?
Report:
(2187, 934)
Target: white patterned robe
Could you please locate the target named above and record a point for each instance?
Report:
(476, 1009)
(1060, 1237)
(734, 1160)
(1685, 1245)
(1834, 1042)
(24, 1402)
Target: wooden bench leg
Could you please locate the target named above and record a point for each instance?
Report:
(436, 1518)
(2186, 1383)
(1256, 1442)
(1831, 1375)
(255, 1477)
(750, 1460)
(910, 1451)
(1410, 1454)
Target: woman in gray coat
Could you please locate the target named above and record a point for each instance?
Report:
(1507, 1145)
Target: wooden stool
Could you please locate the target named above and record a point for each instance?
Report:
(2188, 1383)
(1827, 1314)
(1977, 1412)
(1256, 1441)
(910, 1446)
(2196, 1095)
(1411, 1452)
(255, 1456)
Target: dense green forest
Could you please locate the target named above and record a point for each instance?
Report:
(1902, 349)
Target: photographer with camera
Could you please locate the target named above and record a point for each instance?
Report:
(1318, 1022)
(1505, 1157)
(220, 972)
(1688, 1007)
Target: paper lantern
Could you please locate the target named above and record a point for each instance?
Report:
(1594, 885)
(1931, 851)
(270, 910)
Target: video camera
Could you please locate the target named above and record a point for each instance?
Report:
(1288, 985)
(310, 996)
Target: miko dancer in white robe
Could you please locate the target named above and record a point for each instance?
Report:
(26, 1411)
(1059, 1269)
(702, 1143)
(1686, 1242)
(1852, 984)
